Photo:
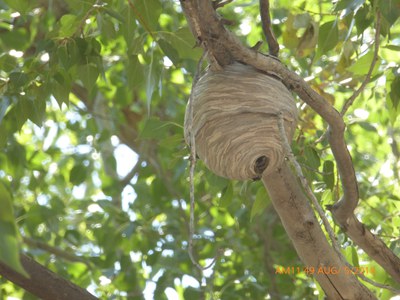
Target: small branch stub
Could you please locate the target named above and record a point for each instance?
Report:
(235, 113)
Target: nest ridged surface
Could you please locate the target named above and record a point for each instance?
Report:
(235, 121)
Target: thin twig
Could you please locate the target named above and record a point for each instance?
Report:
(220, 3)
(267, 28)
(374, 283)
(353, 97)
(305, 184)
(54, 250)
(192, 168)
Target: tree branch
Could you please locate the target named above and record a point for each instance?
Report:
(374, 247)
(220, 3)
(267, 28)
(54, 250)
(43, 283)
(308, 238)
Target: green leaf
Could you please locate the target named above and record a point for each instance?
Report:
(9, 250)
(367, 126)
(88, 74)
(395, 92)
(7, 62)
(18, 79)
(147, 13)
(169, 51)
(193, 293)
(61, 88)
(301, 21)
(227, 195)
(38, 111)
(135, 73)
(312, 157)
(349, 5)
(363, 18)
(6, 211)
(362, 65)
(354, 257)
(327, 38)
(260, 203)
(72, 236)
(328, 174)
(64, 55)
(184, 43)
(29, 108)
(390, 10)
(20, 112)
(19, 5)
(114, 14)
(393, 197)
(77, 174)
(327, 196)
(392, 47)
(16, 39)
(69, 25)
(154, 129)
(61, 93)
(129, 29)
(393, 96)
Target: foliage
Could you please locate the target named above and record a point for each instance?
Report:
(93, 160)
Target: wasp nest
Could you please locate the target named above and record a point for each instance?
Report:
(234, 120)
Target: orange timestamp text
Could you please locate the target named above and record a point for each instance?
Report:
(325, 270)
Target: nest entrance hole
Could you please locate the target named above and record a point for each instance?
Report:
(260, 165)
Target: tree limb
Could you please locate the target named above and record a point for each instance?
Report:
(54, 250)
(43, 283)
(374, 247)
(308, 238)
(267, 28)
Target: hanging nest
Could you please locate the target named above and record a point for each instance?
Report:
(234, 120)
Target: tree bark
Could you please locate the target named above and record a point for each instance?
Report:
(43, 283)
(373, 246)
(311, 245)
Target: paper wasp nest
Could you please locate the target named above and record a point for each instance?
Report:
(235, 121)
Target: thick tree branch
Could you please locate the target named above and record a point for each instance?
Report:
(43, 283)
(311, 245)
(267, 28)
